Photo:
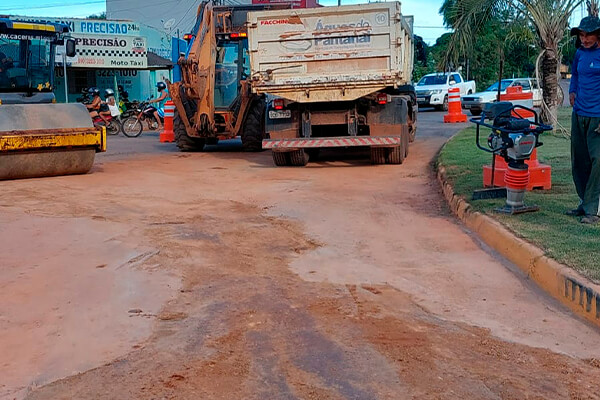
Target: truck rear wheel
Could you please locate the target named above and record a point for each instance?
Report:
(377, 155)
(280, 158)
(396, 155)
(254, 127)
(185, 142)
(298, 158)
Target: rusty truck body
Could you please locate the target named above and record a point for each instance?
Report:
(334, 77)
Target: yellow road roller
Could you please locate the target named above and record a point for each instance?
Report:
(38, 137)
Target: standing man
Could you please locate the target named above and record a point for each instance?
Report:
(584, 95)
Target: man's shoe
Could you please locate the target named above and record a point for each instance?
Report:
(590, 219)
(576, 212)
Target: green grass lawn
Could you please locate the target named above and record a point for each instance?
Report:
(563, 238)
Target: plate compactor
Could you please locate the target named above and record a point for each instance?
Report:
(38, 137)
(513, 138)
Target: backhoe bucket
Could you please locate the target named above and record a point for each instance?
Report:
(38, 140)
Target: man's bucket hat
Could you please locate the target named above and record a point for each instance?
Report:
(588, 24)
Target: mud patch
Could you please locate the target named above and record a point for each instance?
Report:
(63, 293)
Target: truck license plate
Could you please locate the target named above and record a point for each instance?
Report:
(466, 106)
(420, 98)
(280, 114)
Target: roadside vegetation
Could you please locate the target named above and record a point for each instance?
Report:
(562, 237)
(521, 38)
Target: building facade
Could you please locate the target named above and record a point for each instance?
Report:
(175, 16)
(110, 53)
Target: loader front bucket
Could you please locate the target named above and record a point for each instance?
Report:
(38, 140)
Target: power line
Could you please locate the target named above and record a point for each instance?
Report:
(83, 3)
(184, 15)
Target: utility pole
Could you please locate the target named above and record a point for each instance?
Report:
(64, 60)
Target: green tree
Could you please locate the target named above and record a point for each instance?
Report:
(482, 62)
(548, 19)
(102, 15)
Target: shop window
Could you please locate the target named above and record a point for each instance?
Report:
(80, 80)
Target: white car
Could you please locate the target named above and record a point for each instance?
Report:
(432, 89)
(477, 101)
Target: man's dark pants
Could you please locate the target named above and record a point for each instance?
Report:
(585, 161)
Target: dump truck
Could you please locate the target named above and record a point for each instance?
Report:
(334, 77)
(213, 100)
(37, 136)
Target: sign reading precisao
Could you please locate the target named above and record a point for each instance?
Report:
(107, 27)
(107, 51)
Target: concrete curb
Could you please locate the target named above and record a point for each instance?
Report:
(566, 285)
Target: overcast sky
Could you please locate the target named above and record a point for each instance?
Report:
(428, 22)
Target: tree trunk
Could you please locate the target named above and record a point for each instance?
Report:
(550, 84)
(592, 8)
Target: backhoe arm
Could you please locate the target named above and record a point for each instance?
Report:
(198, 77)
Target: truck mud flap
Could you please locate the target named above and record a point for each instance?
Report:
(344, 141)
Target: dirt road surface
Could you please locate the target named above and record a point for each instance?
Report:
(215, 275)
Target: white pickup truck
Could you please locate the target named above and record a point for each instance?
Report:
(432, 89)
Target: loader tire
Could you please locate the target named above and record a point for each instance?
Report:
(185, 142)
(412, 126)
(254, 127)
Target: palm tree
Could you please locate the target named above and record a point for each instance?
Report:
(592, 7)
(549, 20)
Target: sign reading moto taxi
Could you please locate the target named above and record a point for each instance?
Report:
(110, 51)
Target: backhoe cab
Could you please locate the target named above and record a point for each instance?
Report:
(213, 100)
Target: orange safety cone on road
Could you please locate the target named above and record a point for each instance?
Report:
(167, 135)
(455, 113)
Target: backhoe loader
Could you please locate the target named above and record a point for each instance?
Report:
(213, 99)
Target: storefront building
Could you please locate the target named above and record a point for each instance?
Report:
(111, 53)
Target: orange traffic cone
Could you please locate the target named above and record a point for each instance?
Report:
(167, 135)
(455, 113)
(516, 96)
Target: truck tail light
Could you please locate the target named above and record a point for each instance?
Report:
(382, 98)
(278, 104)
(188, 36)
(237, 35)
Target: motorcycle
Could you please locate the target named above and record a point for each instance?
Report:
(112, 124)
(144, 112)
(127, 107)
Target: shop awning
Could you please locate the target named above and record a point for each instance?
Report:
(157, 62)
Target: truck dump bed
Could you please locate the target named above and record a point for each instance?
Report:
(330, 53)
